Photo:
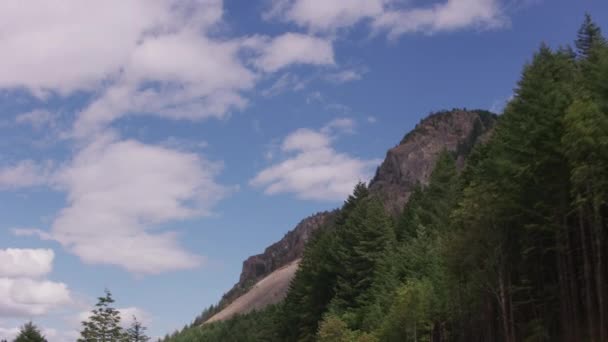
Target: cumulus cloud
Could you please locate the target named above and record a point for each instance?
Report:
(293, 48)
(391, 16)
(119, 191)
(313, 169)
(31, 263)
(25, 173)
(159, 57)
(21, 294)
(177, 76)
(74, 45)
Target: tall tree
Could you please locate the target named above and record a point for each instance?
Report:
(30, 333)
(136, 332)
(104, 323)
(589, 35)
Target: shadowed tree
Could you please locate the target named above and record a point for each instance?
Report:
(29, 333)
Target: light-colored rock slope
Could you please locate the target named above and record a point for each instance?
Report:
(269, 290)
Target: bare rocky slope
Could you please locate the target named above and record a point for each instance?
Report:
(265, 277)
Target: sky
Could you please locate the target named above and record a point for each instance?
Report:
(150, 146)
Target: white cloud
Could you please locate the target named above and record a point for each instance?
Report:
(37, 118)
(372, 119)
(156, 57)
(27, 297)
(339, 125)
(391, 16)
(8, 334)
(313, 169)
(126, 316)
(322, 15)
(286, 81)
(178, 76)
(26, 173)
(292, 48)
(74, 44)
(21, 294)
(345, 76)
(30, 263)
(119, 191)
(447, 16)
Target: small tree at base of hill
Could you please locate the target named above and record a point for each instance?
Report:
(137, 332)
(104, 323)
(29, 333)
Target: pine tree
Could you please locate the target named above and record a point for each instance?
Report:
(137, 332)
(314, 284)
(589, 35)
(364, 241)
(30, 333)
(104, 323)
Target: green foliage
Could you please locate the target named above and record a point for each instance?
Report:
(512, 248)
(136, 332)
(253, 327)
(333, 329)
(589, 35)
(30, 333)
(104, 323)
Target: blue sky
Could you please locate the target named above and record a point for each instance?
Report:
(149, 147)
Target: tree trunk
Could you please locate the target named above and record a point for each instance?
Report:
(504, 310)
(588, 276)
(599, 271)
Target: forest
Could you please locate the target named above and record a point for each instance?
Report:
(511, 247)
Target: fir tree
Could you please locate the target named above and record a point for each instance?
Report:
(589, 35)
(104, 323)
(137, 332)
(30, 333)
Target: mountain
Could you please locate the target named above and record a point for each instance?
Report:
(265, 277)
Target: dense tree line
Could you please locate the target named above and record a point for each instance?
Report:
(511, 248)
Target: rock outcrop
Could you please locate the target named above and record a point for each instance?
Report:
(287, 250)
(406, 165)
(411, 162)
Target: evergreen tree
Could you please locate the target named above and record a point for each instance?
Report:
(104, 323)
(30, 333)
(314, 284)
(136, 332)
(589, 35)
(363, 243)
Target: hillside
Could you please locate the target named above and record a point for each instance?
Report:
(504, 240)
(406, 165)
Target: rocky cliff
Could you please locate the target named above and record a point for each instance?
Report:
(412, 161)
(277, 255)
(406, 165)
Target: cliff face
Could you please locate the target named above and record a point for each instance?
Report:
(406, 165)
(279, 254)
(411, 162)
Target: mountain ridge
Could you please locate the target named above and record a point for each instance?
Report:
(406, 166)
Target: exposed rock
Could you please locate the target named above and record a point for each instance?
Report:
(279, 254)
(408, 164)
(270, 290)
(411, 162)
